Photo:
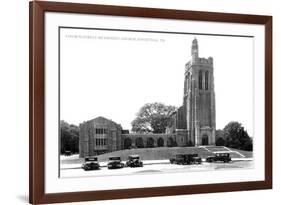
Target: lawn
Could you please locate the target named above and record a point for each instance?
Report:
(157, 153)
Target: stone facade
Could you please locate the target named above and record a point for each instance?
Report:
(194, 122)
(99, 136)
(196, 118)
(199, 108)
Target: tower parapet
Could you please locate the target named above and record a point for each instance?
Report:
(205, 61)
(200, 62)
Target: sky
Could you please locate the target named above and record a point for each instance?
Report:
(114, 73)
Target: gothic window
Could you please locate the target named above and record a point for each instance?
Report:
(101, 131)
(206, 80)
(200, 80)
(101, 142)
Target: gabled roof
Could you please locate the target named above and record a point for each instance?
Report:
(101, 118)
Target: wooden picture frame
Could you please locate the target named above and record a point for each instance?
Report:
(37, 10)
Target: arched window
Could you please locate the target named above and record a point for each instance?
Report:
(200, 80)
(206, 80)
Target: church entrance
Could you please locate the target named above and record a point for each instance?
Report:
(205, 140)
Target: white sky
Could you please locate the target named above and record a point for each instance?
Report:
(115, 77)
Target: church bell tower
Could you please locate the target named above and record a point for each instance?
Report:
(199, 99)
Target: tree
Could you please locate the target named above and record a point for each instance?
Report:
(220, 138)
(220, 141)
(69, 137)
(153, 118)
(236, 137)
(219, 134)
(248, 146)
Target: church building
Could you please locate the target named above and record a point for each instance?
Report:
(194, 122)
(196, 118)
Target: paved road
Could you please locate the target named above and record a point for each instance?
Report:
(161, 167)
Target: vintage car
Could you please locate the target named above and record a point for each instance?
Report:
(134, 161)
(184, 159)
(195, 159)
(178, 159)
(91, 163)
(115, 163)
(219, 157)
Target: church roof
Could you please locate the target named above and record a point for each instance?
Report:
(103, 119)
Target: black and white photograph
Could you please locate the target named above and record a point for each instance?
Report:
(131, 102)
(138, 102)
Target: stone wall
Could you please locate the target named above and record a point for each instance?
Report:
(148, 140)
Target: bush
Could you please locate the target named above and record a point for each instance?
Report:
(248, 146)
(237, 137)
(220, 142)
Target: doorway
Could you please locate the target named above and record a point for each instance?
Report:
(205, 140)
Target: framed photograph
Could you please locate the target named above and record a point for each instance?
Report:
(132, 102)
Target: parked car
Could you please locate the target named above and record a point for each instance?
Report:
(115, 163)
(195, 159)
(91, 164)
(184, 159)
(178, 159)
(134, 161)
(222, 156)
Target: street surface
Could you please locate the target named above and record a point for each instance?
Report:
(153, 166)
